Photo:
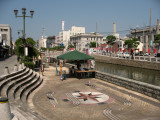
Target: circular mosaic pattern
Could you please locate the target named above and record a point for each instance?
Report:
(90, 97)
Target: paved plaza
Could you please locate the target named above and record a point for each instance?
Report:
(90, 99)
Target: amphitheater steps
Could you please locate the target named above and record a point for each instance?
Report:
(15, 77)
(17, 87)
(13, 90)
(10, 84)
(30, 90)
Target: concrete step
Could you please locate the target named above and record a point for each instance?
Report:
(6, 81)
(8, 86)
(25, 87)
(13, 90)
(30, 90)
(12, 74)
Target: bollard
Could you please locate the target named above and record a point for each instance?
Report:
(15, 68)
(22, 65)
(19, 67)
(5, 113)
(6, 71)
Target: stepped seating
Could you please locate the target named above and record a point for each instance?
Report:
(17, 87)
(6, 81)
(10, 84)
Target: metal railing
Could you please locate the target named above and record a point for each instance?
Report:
(138, 58)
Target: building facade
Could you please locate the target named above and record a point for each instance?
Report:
(146, 35)
(42, 42)
(64, 36)
(51, 41)
(81, 40)
(5, 40)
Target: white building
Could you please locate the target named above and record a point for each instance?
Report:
(64, 36)
(81, 40)
(42, 42)
(6, 36)
(146, 35)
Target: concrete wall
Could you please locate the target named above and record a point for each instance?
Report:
(144, 88)
(126, 62)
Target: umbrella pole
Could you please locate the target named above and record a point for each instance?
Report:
(61, 69)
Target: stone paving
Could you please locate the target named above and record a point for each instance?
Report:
(8, 62)
(90, 99)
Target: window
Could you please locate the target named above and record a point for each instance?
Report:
(5, 30)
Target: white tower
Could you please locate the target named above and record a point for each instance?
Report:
(114, 29)
(62, 25)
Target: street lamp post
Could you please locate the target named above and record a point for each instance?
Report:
(24, 16)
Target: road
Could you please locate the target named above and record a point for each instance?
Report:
(8, 62)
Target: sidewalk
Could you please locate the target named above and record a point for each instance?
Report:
(75, 99)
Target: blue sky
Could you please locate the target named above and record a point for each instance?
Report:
(82, 13)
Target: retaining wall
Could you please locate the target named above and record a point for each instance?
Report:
(144, 88)
(127, 62)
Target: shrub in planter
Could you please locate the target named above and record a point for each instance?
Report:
(29, 64)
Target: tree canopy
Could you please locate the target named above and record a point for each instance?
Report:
(131, 43)
(111, 39)
(70, 46)
(32, 51)
(157, 39)
(55, 48)
(93, 44)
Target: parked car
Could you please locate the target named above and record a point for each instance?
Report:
(119, 54)
(104, 52)
(94, 52)
(146, 54)
(126, 55)
(157, 55)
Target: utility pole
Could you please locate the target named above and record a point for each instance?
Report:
(96, 35)
(143, 35)
(150, 31)
(24, 34)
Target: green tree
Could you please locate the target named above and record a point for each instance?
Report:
(131, 43)
(157, 40)
(92, 44)
(110, 39)
(43, 49)
(61, 47)
(55, 47)
(70, 46)
(32, 51)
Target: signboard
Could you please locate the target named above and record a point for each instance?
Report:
(151, 42)
(61, 44)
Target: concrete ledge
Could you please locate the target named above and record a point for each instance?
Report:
(144, 88)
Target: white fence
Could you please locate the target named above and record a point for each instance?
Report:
(139, 58)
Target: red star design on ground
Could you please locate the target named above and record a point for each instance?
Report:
(88, 96)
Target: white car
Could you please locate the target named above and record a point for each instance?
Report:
(119, 54)
(126, 55)
(94, 52)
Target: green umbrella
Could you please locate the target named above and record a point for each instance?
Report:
(75, 56)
